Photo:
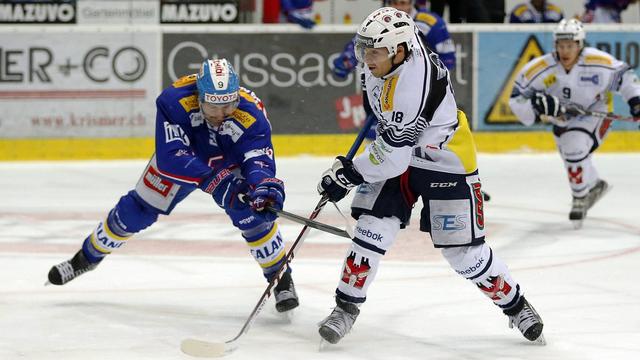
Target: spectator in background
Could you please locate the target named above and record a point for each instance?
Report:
(458, 9)
(536, 11)
(298, 11)
(605, 11)
(472, 11)
(495, 10)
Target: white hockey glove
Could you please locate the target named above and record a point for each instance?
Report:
(548, 105)
(339, 179)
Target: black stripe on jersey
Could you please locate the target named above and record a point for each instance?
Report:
(437, 87)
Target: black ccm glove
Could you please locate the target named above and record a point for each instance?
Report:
(548, 105)
(339, 179)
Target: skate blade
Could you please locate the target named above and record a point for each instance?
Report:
(540, 340)
(577, 224)
(287, 316)
(324, 345)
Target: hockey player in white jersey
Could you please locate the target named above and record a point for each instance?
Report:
(555, 86)
(423, 148)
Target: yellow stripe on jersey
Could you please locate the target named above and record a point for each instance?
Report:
(247, 96)
(189, 103)
(598, 59)
(243, 118)
(274, 261)
(426, 18)
(184, 81)
(520, 10)
(609, 101)
(265, 238)
(536, 68)
(554, 8)
(111, 234)
(388, 88)
(462, 144)
(97, 246)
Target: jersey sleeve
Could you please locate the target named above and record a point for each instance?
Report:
(624, 80)
(175, 158)
(528, 82)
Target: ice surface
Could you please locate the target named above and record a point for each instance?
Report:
(190, 275)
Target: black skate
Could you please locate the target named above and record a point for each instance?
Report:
(70, 269)
(335, 326)
(527, 320)
(285, 294)
(580, 206)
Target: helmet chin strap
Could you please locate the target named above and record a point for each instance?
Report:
(395, 66)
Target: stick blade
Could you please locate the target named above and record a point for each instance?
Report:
(203, 349)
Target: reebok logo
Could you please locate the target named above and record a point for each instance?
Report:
(369, 234)
(472, 269)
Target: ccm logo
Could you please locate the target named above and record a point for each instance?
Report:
(444, 184)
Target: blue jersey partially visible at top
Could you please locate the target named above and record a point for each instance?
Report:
(188, 148)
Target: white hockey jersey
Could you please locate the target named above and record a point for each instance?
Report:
(418, 122)
(588, 84)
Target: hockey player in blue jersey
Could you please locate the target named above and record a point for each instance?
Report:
(432, 28)
(211, 135)
(298, 11)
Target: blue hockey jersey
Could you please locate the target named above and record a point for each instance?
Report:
(188, 148)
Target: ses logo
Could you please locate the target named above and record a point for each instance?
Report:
(448, 222)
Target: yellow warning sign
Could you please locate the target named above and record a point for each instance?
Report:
(500, 112)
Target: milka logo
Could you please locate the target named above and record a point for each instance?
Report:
(220, 99)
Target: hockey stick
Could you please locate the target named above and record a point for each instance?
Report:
(202, 348)
(310, 223)
(576, 110)
(301, 220)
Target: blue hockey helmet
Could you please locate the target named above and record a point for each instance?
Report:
(217, 82)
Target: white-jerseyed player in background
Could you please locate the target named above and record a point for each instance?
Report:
(423, 148)
(575, 77)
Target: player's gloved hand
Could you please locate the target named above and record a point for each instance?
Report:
(299, 18)
(339, 179)
(344, 64)
(225, 188)
(269, 191)
(548, 105)
(634, 107)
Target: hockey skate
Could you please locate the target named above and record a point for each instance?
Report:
(68, 270)
(527, 320)
(580, 205)
(285, 294)
(335, 326)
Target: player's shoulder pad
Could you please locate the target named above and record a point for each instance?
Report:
(179, 99)
(593, 56)
(520, 9)
(250, 111)
(430, 19)
(537, 66)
